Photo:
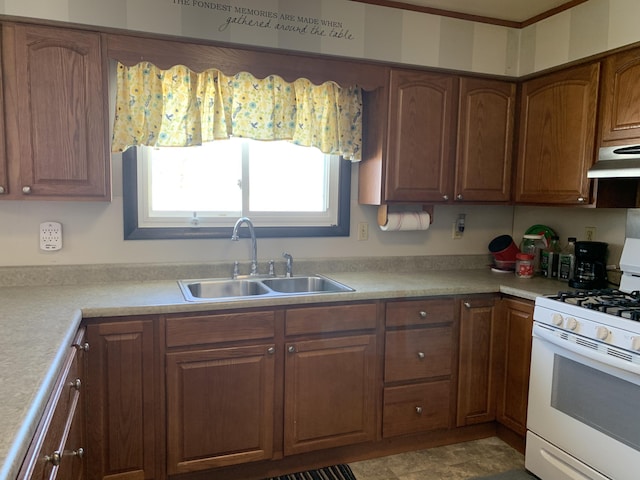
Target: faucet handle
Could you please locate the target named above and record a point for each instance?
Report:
(272, 271)
(289, 259)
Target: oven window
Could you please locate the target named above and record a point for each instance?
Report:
(597, 399)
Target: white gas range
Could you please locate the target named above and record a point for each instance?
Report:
(584, 394)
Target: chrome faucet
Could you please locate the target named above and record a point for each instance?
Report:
(289, 258)
(254, 243)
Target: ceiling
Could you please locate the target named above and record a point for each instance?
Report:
(514, 11)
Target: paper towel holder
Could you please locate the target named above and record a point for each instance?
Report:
(383, 211)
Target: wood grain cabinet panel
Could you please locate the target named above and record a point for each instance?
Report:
(125, 437)
(516, 321)
(477, 361)
(557, 137)
(619, 112)
(220, 407)
(323, 373)
(56, 113)
(486, 111)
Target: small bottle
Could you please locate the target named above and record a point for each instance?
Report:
(549, 258)
(524, 265)
(567, 260)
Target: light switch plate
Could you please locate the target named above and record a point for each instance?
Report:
(50, 236)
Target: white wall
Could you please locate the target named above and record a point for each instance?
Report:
(92, 232)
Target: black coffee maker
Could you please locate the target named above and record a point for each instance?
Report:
(590, 271)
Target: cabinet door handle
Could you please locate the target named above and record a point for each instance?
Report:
(445, 197)
(26, 189)
(421, 355)
(76, 384)
(78, 453)
(459, 196)
(581, 199)
(271, 350)
(467, 304)
(84, 347)
(2, 190)
(422, 314)
(291, 349)
(419, 410)
(54, 458)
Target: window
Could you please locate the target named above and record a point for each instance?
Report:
(199, 192)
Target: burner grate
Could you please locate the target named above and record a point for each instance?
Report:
(610, 301)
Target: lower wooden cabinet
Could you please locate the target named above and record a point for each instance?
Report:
(125, 434)
(220, 407)
(516, 323)
(477, 362)
(418, 366)
(57, 450)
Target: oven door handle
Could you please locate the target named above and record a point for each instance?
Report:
(546, 335)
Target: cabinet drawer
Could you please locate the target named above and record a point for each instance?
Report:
(418, 353)
(224, 327)
(416, 408)
(52, 442)
(419, 312)
(340, 318)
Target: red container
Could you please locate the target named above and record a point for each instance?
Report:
(503, 248)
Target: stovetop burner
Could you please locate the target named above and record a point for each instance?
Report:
(611, 301)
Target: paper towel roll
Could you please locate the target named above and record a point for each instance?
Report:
(406, 221)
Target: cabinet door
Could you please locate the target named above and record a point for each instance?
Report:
(220, 407)
(56, 113)
(517, 322)
(477, 362)
(330, 393)
(485, 139)
(619, 114)
(421, 134)
(557, 137)
(4, 174)
(124, 435)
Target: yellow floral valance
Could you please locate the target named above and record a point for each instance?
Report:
(180, 107)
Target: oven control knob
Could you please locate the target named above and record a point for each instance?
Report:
(557, 319)
(572, 323)
(602, 333)
(635, 344)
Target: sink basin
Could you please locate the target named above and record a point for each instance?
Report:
(228, 289)
(221, 288)
(312, 284)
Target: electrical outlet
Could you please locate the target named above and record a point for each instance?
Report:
(363, 231)
(456, 233)
(50, 236)
(589, 234)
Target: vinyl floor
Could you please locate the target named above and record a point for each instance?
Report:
(461, 461)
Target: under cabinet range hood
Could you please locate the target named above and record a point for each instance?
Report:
(617, 162)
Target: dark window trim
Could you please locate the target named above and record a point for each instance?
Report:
(133, 232)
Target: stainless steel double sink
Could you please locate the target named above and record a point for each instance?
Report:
(243, 288)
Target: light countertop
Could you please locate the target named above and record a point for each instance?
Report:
(39, 322)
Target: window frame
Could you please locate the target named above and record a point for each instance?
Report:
(132, 231)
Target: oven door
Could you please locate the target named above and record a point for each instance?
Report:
(583, 416)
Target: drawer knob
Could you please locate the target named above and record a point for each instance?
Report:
(76, 384)
(291, 349)
(271, 350)
(84, 347)
(2, 190)
(78, 453)
(422, 314)
(419, 410)
(421, 355)
(26, 189)
(581, 200)
(54, 458)
(467, 304)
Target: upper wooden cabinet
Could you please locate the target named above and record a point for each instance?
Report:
(557, 137)
(485, 138)
(409, 139)
(55, 111)
(619, 112)
(415, 154)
